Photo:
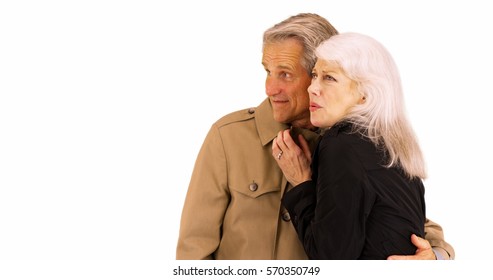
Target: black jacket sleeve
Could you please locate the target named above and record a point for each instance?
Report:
(329, 213)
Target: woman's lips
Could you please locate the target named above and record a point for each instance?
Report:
(314, 106)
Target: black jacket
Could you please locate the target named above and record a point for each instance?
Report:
(354, 207)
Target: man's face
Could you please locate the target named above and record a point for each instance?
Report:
(287, 82)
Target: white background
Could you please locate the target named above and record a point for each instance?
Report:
(104, 105)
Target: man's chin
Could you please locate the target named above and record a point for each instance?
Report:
(280, 119)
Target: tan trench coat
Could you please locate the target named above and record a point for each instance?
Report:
(233, 206)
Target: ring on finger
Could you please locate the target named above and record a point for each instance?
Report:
(279, 155)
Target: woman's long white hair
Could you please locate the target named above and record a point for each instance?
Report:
(382, 116)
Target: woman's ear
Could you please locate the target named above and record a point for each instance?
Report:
(362, 99)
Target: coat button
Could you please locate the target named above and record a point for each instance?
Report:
(251, 110)
(286, 217)
(253, 187)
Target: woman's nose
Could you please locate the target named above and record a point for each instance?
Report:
(313, 88)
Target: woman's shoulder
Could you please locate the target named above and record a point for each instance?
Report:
(344, 140)
(343, 134)
(339, 139)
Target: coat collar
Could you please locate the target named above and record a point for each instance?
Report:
(267, 127)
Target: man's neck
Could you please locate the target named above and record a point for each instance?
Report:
(304, 124)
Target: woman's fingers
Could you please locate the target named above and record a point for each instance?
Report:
(284, 143)
(281, 141)
(304, 146)
(288, 140)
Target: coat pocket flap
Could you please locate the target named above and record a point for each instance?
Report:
(255, 188)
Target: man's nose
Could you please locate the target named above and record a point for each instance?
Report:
(272, 87)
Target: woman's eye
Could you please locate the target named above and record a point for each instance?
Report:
(329, 78)
(314, 76)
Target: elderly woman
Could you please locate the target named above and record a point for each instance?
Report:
(361, 195)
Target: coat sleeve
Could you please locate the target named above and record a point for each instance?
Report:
(434, 235)
(329, 215)
(205, 203)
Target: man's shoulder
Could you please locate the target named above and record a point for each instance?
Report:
(237, 116)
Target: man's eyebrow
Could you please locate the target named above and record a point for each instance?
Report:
(285, 67)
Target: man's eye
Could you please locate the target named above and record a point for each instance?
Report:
(314, 76)
(285, 75)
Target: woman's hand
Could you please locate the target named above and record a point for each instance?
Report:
(293, 160)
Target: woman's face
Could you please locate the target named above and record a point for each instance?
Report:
(332, 94)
